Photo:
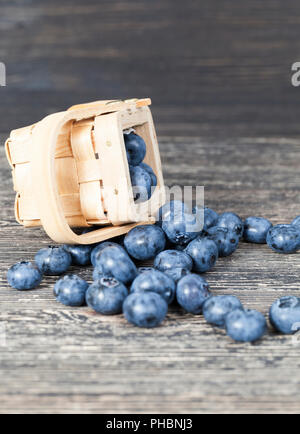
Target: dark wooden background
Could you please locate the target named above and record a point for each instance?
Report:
(212, 67)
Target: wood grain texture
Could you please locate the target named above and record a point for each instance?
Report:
(211, 67)
(59, 360)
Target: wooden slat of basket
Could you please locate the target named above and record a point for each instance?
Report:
(88, 169)
(21, 178)
(28, 209)
(91, 192)
(66, 176)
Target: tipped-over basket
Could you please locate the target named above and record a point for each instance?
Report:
(70, 170)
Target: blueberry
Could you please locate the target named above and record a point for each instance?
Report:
(141, 183)
(174, 263)
(284, 238)
(181, 228)
(96, 252)
(192, 291)
(226, 240)
(216, 308)
(208, 215)
(106, 296)
(245, 325)
(81, 255)
(24, 275)
(116, 263)
(97, 273)
(204, 253)
(145, 241)
(149, 170)
(296, 221)
(285, 314)
(145, 309)
(167, 211)
(256, 229)
(169, 259)
(53, 260)
(135, 148)
(155, 281)
(141, 270)
(70, 290)
(231, 221)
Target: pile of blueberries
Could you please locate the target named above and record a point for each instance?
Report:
(183, 245)
(143, 179)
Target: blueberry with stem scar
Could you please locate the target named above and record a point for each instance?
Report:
(53, 260)
(284, 238)
(106, 296)
(285, 314)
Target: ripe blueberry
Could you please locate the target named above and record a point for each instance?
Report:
(70, 290)
(174, 263)
(24, 275)
(192, 291)
(204, 253)
(256, 229)
(245, 325)
(135, 148)
(96, 252)
(116, 263)
(149, 170)
(141, 183)
(155, 281)
(285, 314)
(106, 296)
(231, 221)
(226, 240)
(284, 238)
(181, 228)
(145, 241)
(145, 309)
(216, 308)
(53, 260)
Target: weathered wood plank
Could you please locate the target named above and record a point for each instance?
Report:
(58, 359)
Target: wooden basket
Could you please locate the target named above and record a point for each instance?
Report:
(70, 170)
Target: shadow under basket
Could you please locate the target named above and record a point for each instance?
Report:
(70, 170)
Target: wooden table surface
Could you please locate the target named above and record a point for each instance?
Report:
(58, 359)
